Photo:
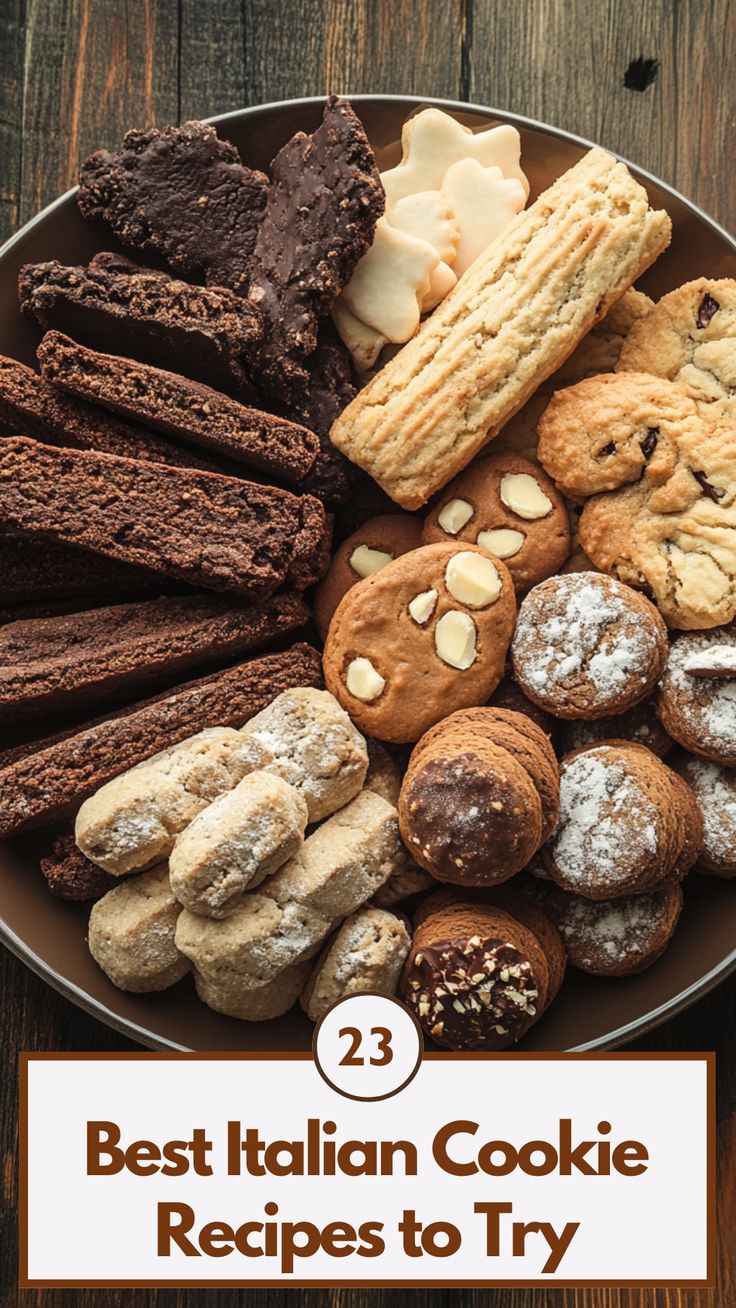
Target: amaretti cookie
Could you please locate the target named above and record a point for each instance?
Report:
(133, 821)
(314, 746)
(213, 531)
(622, 822)
(510, 508)
(43, 781)
(378, 542)
(131, 934)
(689, 337)
(424, 636)
(473, 811)
(285, 920)
(616, 937)
(367, 953)
(715, 794)
(660, 470)
(410, 880)
(475, 977)
(384, 773)
(449, 390)
(697, 695)
(586, 646)
(240, 838)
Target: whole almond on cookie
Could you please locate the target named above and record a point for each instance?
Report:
(376, 543)
(424, 636)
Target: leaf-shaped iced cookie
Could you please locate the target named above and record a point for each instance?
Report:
(484, 203)
(432, 141)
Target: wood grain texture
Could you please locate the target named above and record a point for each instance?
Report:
(74, 74)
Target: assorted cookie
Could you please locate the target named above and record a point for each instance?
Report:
(510, 508)
(249, 827)
(425, 635)
(586, 646)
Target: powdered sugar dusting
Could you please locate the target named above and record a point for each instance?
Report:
(715, 791)
(593, 636)
(707, 704)
(611, 933)
(607, 827)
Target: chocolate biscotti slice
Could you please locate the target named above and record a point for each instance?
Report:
(202, 528)
(48, 782)
(33, 570)
(182, 408)
(182, 192)
(147, 316)
(59, 664)
(512, 320)
(70, 875)
(33, 406)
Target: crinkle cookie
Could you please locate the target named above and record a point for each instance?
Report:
(133, 820)
(236, 997)
(586, 646)
(366, 954)
(237, 841)
(622, 823)
(510, 508)
(378, 542)
(616, 937)
(697, 695)
(476, 978)
(715, 794)
(131, 934)
(662, 474)
(640, 724)
(426, 635)
(689, 337)
(314, 746)
(338, 868)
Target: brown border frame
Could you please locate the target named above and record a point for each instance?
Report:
(24, 1283)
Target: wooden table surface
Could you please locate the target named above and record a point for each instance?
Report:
(75, 74)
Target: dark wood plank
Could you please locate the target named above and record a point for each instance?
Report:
(212, 58)
(94, 69)
(565, 64)
(12, 42)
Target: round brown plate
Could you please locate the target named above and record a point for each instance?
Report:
(49, 935)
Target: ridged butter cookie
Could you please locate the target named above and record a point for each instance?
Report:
(426, 635)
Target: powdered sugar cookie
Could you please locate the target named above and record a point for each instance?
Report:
(426, 635)
(621, 829)
(378, 542)
(587, 646)
(697, 696)
(617, 937)
(715, 794)
(510, 508)
(131, 933)
(367, 953)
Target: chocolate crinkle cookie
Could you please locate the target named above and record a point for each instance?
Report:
(323, 204)
(586, 646)
(697, 697)
(182, 192)
(616, 937)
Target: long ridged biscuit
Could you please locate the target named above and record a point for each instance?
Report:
(512, 319)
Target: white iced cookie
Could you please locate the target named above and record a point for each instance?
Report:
(441, 282)
(484, 203)
(432, 141)
(430, 216)
(390, 282)
(362, 341)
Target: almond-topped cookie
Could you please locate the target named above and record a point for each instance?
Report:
(510, 508)
(697, 695)
(425, 635)
(378, 542)
(586, 646)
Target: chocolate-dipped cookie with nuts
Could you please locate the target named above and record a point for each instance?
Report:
(509, 507)
(426, 635)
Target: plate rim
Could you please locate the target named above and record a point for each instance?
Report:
(129, 1028)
